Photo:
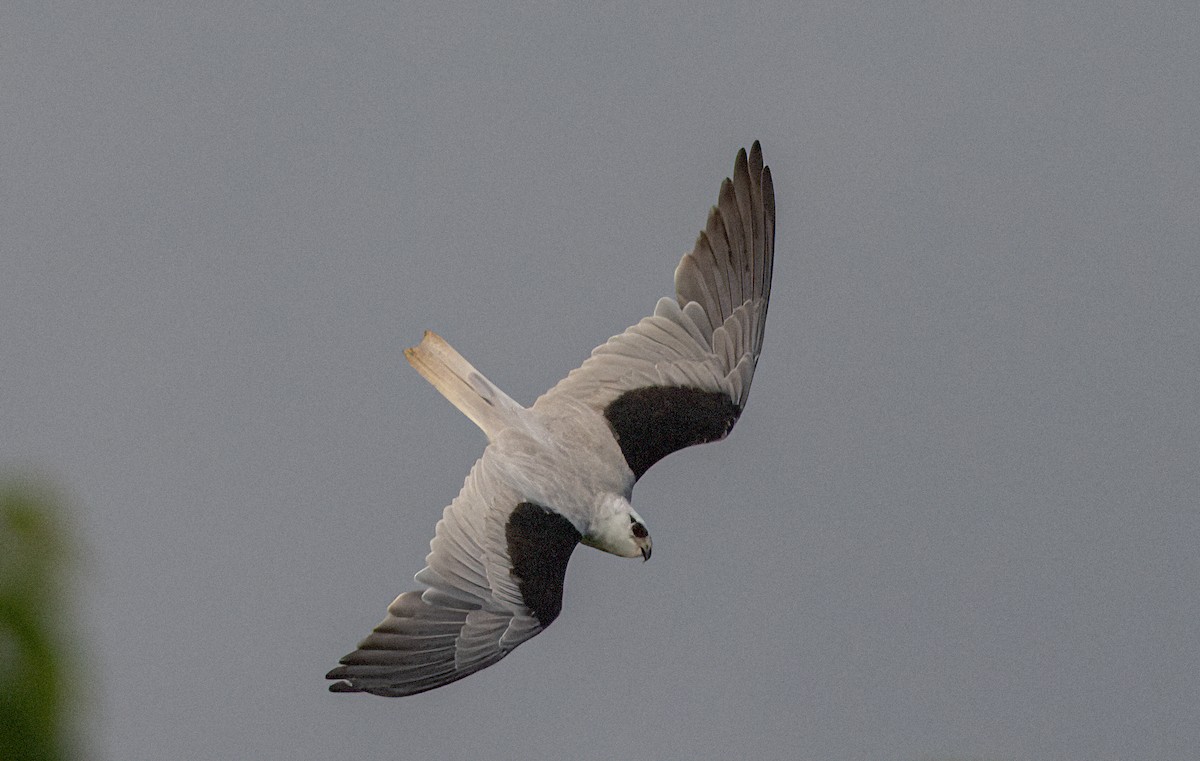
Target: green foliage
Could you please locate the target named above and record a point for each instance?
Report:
(36, 561)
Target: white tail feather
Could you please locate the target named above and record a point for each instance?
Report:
(467, 389)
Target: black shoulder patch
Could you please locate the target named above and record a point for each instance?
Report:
(540, 543)
(652, 422)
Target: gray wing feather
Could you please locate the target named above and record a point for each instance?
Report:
(469, 616)
(711, 336)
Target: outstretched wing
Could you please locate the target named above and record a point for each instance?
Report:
(681, 376)
(494, 579)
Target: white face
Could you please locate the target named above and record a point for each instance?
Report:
(620, 530)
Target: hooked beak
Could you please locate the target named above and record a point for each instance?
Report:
(646, 552)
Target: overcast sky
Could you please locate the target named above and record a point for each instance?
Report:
(958, 520)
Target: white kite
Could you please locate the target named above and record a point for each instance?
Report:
(562, 471)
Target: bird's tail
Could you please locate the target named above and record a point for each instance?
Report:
(467, 389)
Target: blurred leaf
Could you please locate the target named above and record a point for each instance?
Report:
(36, 563)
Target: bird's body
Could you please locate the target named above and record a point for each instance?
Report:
(561, 472)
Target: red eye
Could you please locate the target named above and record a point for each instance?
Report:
(639, 530)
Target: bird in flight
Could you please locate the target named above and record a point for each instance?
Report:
(561, 472)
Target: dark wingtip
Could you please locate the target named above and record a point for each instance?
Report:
(726, 189)
(756, 161)
(340, 673)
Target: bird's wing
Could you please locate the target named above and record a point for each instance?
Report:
(494, 579)
(681, 376)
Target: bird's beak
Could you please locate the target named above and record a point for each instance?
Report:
(646, 552)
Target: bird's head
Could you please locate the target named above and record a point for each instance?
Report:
(619, 529)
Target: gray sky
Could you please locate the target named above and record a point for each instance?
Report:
(958, 519)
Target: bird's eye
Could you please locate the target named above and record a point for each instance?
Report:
(639, 530)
